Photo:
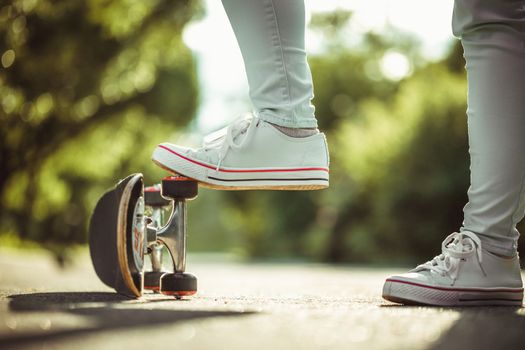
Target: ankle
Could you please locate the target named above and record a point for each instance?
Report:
(507, 256)
(296, 132)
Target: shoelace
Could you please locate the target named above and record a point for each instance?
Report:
(227, 138)
(457, 246)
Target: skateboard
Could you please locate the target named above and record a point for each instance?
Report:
(129, 223)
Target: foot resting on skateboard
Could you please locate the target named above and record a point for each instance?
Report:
(251, 154)
(464, 274)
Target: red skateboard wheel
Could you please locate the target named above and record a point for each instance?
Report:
(178, 284)
(179, 187)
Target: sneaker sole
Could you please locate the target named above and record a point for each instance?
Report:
(410, 293)
(308, 178)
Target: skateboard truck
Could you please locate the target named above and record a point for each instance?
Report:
(157, 204)
(120, 235)
(173, 236)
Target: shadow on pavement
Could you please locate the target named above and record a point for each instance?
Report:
(485, 328)
(103, 312)
(480, 328)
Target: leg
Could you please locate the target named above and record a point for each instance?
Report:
(479, 265)
(493, 38)
(279, 147)
(270, 34)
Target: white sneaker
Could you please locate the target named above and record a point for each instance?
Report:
(462, 275)
(251, 154)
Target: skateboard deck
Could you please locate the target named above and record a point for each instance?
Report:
(116, 237)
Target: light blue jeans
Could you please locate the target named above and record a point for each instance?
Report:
(270, 34)
(271, 37)
(493, 36)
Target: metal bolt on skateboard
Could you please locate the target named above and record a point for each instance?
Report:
(121, 235)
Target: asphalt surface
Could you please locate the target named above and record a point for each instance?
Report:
(239, 306)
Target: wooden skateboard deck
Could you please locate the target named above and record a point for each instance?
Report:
(116, 237)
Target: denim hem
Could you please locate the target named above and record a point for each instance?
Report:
(289, 122)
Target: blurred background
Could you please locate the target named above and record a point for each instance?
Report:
(89, 87)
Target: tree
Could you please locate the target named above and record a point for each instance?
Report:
(87, 88)
(399, 161)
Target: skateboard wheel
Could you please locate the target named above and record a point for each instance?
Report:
(152, 280)
(178, 284)
(153, 197)
(179, 187)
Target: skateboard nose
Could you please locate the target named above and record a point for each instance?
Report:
(119, 230)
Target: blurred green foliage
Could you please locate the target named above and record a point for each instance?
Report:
(88, 88)
(399, 159)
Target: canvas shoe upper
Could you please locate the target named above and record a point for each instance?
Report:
(463, 274)
(251, 154)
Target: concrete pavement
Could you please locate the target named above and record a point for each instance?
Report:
(239, 306)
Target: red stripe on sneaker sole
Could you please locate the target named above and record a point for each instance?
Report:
(520, 290)
(241, 170)
(267, 179)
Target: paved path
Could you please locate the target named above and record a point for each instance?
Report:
(239, 306)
